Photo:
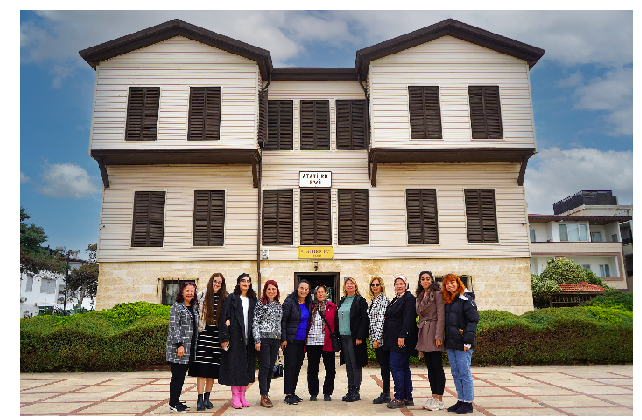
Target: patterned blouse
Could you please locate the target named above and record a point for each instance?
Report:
(267, 321)
(376, 312)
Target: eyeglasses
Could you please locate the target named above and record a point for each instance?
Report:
(244, 281)
(217, 282)
(375, 285)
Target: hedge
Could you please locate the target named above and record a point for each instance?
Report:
(132, 337)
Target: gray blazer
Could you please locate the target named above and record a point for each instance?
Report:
(182, 325)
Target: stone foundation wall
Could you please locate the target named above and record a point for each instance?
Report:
(499, 283)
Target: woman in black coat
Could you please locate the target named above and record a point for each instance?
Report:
(353, 325)
(235, 334)
(295, 324)
(400, 339)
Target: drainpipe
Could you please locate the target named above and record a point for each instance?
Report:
(258, 229)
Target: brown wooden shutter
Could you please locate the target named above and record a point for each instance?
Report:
(423, 223)
(425, 113)
(353, 217)
(481, 216)
(352, 120)
(277, 217)
(280, 126)
(209, 218)
(315, 125)
(204, 121)
(262, 129)
(142, 113)
(485, 112)
(148, 220)
(315, 217)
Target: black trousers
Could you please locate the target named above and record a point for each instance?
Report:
(314, 361)
(177, 381)
(292, 361)
(267, 357)
(383, 357)
(436, 375)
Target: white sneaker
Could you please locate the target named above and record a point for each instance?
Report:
(430, 404)
(439, 405)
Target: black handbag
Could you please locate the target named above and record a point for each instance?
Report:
(336, 342)
(277, 370)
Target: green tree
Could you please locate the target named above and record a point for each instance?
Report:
(83, 281)
(33, 256)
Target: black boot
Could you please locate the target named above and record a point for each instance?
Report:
(349, 394)
(357, 396)
(353, 394)
(382, 399)
(199, 404)
(206, 400)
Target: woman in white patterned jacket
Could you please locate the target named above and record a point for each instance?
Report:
(376, 311)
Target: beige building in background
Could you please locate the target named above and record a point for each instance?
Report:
(214, 161)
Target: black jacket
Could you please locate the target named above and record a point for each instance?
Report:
(461, 315)
(359, 328)
(401, 322)
(292, 316)
(237, 363)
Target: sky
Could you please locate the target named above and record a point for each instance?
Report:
(582, 93)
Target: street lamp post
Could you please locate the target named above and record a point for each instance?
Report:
(62, 249)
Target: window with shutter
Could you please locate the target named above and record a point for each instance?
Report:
(277, 217)
(204, 121)
(425, 114)
(315, 125)
(209, 218)
(353, 217)
(316, 212)
(279, 126)
(485, 112)
(423, 224)
(148, 222)
(352, 130)
(142, 113)
(480, 216)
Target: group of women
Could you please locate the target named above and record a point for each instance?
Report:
(224, 343)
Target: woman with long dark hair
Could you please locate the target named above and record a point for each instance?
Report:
(294, 329)
(208, 349)
(181, 341)
(430, 340)
(319, 344)
(238, 360)
(267, 336)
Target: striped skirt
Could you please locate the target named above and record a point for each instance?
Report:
(208, 354)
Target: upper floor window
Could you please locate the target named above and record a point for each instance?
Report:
(353, 217)
(47, 286)
(29, 285)
(148, 224)
(280, 126)
(352, 117)
(421, 207)
(481, 220)
(277, 217)
(596, 236)
(425, 114)
(209, 218)
(142, 113)
(315, 216)
(204, 121)
(533, 236)
(604, 270)
(573, 232)
(315, 125)
(485, 112)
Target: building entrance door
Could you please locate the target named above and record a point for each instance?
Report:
(329, 280)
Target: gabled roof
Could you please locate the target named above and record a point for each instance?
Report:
(581, 287)
(595, 220)
(170, 29)
(455, 29)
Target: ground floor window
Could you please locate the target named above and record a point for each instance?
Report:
(171, 288)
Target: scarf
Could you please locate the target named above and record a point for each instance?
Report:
(424, 303)
(319, 306)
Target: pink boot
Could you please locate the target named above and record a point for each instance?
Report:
(236, 402)
(242, 395)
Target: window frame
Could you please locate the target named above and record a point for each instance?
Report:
(424, 195)
(316, 221)
(282, 108)
(422, 117)
(489, 116)
(350, 223)
(148, 241)
(280, 196)
(209, 230)
(352, 129)
(129, 115)
(218, 116)
(317, 134)
(482, 222)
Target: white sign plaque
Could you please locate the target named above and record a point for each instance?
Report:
(315, 179)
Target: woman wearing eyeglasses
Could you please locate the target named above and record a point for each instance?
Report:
(208, 349)
(376, 312)
(181, 341)
(238, 360)
(430, 308)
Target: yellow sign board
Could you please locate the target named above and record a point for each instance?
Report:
(316, 252)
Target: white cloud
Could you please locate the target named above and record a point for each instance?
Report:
(24, 179)
(66, 180)
(573, 80)
(60, 73)
(554, 174)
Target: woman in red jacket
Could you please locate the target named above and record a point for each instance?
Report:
(319, 344)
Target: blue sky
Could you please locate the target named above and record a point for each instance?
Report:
(582, 93)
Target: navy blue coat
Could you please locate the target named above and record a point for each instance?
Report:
(401, 322)
(461, 315)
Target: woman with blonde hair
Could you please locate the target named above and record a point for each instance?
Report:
(461, 318)
(353, 322)
(376, 312)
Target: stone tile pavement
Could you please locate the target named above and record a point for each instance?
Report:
(506, 391)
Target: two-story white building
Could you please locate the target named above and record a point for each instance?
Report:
(214, 161)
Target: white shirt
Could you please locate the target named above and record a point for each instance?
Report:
(246, 310)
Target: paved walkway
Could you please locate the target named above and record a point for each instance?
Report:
(519, 390)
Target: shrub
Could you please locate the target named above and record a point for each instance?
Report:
(612, 298)
(543, 289)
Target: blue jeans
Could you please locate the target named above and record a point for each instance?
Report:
(460, 369)
(400, 370)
